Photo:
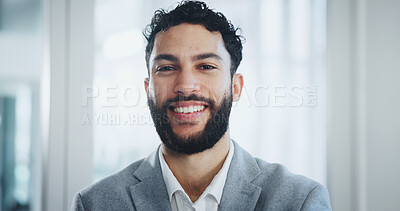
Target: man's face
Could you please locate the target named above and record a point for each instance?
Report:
(190, 91)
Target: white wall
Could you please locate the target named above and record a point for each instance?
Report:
(382, 105)
(363, 114)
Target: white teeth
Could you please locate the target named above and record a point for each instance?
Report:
(189, 109)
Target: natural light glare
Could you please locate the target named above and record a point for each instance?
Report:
(299, 30)
(272, 29)
(123, 44)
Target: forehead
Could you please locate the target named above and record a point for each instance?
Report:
(189, 39)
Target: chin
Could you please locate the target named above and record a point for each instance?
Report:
(189, 131)
(186, 136)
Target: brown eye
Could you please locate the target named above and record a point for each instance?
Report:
(207, 67)
(165, 68)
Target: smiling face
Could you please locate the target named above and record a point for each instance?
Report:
(190, 90)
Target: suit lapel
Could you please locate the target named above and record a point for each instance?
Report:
(239, 193)
(150, 193)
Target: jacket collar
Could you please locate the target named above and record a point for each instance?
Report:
(150, 193)
(238, 194)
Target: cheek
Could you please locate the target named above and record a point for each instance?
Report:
(217, 91)
(161, 91)
(223, 85)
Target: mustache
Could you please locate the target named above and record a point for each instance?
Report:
(181, 98)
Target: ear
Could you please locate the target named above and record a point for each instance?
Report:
(146, 88)
(237, 86)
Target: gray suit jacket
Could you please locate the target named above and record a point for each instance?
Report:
(251, 184)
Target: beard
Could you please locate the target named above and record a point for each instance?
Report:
(215, 128)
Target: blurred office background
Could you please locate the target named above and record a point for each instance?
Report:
(320, 95)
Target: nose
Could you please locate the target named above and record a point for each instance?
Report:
(186, 83)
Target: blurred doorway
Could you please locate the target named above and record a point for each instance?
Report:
(21, 65)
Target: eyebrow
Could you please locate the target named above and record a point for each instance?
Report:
(172, 58)
(206, 56)
(168, 57)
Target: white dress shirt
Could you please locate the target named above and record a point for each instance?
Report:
(209, 199)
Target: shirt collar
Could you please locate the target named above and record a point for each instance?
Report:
(215, 188)
(170, 181)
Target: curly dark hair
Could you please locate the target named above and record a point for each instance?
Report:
(195, 12)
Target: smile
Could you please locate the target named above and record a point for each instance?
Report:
(189, 109)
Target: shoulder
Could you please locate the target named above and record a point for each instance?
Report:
(122, 178)
(108, 192)
(280, 185)
(277, 174)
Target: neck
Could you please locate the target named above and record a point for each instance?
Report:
(195, 172)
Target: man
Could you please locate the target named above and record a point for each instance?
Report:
(192, 56)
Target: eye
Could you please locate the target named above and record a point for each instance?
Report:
(206, 67)
(165, 68)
